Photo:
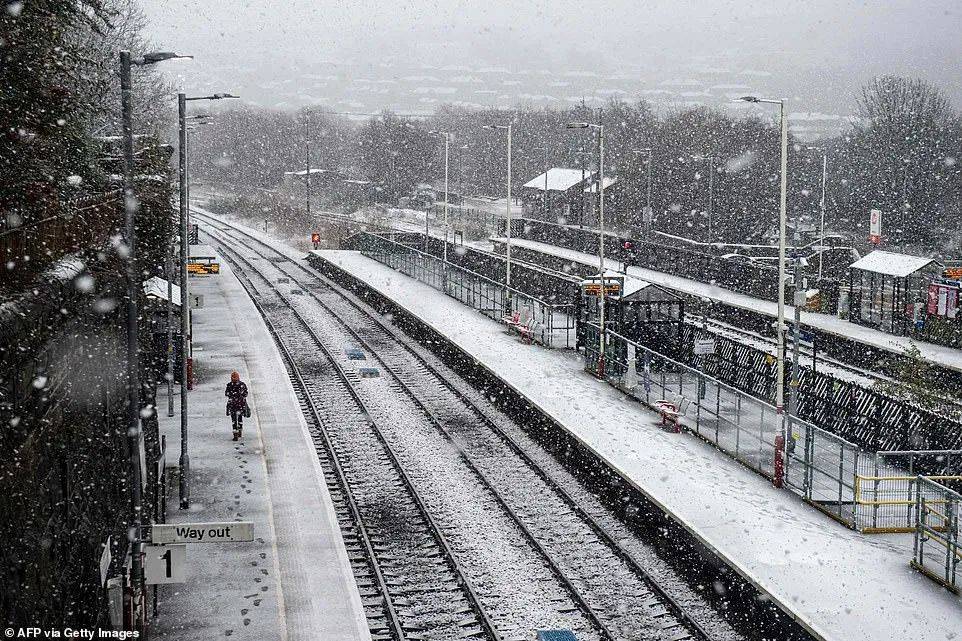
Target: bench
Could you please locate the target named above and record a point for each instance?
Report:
(671, 410)
(523, 322)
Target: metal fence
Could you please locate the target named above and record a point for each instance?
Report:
(937, 550)
(550, 324)
(819, 466)
(886, 486)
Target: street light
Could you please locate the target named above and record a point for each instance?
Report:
(821, 206)
(133, 290)
(601, 231)
(647, 214)
(782, 214)
(182, 100)
(447, 197)
(507, 276)
(710, 158)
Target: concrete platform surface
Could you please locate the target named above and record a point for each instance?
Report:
(294, 581)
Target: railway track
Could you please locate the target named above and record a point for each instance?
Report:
(388, 547)
(568, 539)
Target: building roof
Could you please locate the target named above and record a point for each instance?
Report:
(634, 288)
(891, 264)
(559, 179)
(593, 187)
(156, 287)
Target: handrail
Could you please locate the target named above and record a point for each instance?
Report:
(465, 270)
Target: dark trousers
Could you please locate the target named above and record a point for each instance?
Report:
(237, 418)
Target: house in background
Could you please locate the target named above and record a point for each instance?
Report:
(565, 189)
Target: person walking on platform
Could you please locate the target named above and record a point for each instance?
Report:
(237, 407)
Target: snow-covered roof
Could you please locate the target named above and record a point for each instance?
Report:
(156, 287)
(632, 285)
(559, 179)
(891, 264)
(593, 187)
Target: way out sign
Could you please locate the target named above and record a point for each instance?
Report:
(165, 564)
(227, 532)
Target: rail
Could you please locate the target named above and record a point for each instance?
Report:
(554, 323)
(436, 531)
(937, 510)
(352, 328)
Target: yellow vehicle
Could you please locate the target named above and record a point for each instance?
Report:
(203, 260)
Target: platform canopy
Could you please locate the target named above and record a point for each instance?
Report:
(559, 179)
(891, 264)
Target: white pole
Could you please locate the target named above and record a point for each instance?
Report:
(821, 227)
(711, 195)
(782, 215)
(507, 278)
(447, 197)
(601, 243)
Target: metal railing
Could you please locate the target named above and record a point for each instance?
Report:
(937, 549)
(886, 489)
(819, 467)
(550, 324)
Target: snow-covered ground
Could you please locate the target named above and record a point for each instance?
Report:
(294, 581)
(843, 585)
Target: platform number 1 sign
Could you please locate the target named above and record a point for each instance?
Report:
(165, 563)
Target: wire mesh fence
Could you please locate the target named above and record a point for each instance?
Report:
(937, 549)
(550, 324)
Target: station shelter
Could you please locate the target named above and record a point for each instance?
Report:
(889, 291)
(635, 309)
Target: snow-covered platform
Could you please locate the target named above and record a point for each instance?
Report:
(295, 580)
(841, 585)
(944, 356)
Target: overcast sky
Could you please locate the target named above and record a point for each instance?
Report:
(834, 45)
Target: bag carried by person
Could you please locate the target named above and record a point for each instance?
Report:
(247, 410)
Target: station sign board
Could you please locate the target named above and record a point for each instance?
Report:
(592, 286)
(226, 532)
(952, 273)
(165, 564)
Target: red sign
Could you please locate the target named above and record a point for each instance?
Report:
(875, 226)
(943, 300)
(315, 238)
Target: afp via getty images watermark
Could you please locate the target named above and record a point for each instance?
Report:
(69, 633)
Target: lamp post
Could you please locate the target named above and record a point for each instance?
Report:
(182, 100)
(821, 207)
(782, 214)
(710, 159)
(507, 276)
(131, 206)
(447, 196)
(647, 213)
(601, 232)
